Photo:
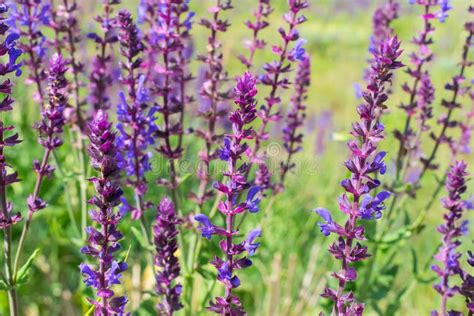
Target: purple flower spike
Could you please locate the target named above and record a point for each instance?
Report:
(451, 229)
(104, 242)
(420, 95)
(261, 22)
(136, 118)
(213, 94)
(382, 19)
(101, 77)
(26, 18)
(234, 150)
(296, 116)
(467, 286)
(165, 233)
(67, 37)
(363, 164)
(447, 120)
(8, 45)
(276, 74)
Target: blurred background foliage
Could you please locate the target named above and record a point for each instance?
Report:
(291, 268)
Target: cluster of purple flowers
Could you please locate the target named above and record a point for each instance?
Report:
(276, 73)
(26, 19)
(213, 97)
(103, 243)
(364, 163)
(100, 76)
(382, 23)
(457, 89)
(165, 234)
(67, 37)
(420, 93)
(137, 119)
(261, 22)
(292, 137)
(50, 127)
(232, 151)
(8, 48)
(169, 36)
(453, 227)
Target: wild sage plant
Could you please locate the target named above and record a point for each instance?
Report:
(233, 150)
(453, 227)
(104, 241)
(8, 139)
(365, 161)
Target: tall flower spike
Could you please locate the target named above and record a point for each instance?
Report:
(276, 72)
(65, 25)
(456, 88)
(213, 95)
(169, 84)
(382, 21)
(365, 162)
(136, 119)
(50, 128)
(261, 15)
(451, 229)
(233, 150)
(292, 135)
(419, 93)
(9, 64)
(165, 234)
(101, 77)
(103, 243)
(26, 18)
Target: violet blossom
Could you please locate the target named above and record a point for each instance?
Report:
(213, 94)
(50, 128)
(276, 72)
(261, 15)
(454, 227)
(382, 20)
(292, 137)
(416, 106)
(169, 83)
(64, 22)
(103, 242)
(165, 232)
(9, 55)
(467, 286)
(364, 163)
(100, 76)
(233, 150)
(456, 88)
(27, 18)
(9, 138)
(136, 119)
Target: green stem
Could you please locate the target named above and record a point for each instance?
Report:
(68, 196)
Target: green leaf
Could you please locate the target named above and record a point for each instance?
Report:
(141, 239)
(22, 274)
(3, 286)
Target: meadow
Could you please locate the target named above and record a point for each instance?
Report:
(292, 266)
